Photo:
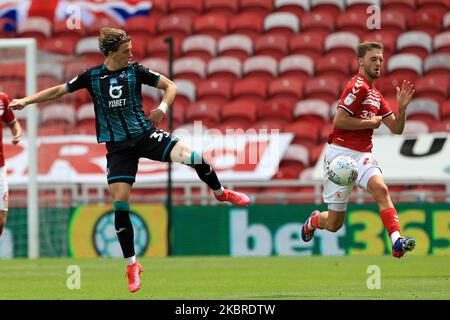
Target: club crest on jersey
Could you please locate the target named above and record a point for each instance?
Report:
(114, 90)
(349, 99)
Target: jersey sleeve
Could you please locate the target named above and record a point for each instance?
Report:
(385, 108)
(79, 82)
(147, 76)
(353, 95)
(8, 116)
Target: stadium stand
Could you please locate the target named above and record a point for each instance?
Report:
(259, 64)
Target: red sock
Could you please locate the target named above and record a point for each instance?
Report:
(315, 221)
(390, 220)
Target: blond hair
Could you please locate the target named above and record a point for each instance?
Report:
(111, 38)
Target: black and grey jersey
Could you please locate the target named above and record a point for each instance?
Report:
(117, 99)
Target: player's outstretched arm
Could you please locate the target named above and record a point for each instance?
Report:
(41, 96)
(396, 123)
(170, 91)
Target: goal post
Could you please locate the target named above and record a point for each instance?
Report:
(29, 45)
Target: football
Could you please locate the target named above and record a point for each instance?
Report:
(343, 171)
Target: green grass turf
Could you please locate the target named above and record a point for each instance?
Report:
(412, 277)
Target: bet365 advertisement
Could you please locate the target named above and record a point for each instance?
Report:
(272, 230)
(276, 230)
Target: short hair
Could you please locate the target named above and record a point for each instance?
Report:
(111, 38)
(368, 45)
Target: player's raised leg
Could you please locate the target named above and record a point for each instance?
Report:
(328, 220)
(183, 153)
(379, 191)
(120, 192)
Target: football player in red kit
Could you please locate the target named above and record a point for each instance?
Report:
(7, 117)
(360, 110)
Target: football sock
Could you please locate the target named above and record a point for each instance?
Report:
(131, 260)
(219, 192)
(124, 228)
(205, 172)
(390, 221)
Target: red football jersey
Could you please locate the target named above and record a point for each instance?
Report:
(362, 100)
(7, 117)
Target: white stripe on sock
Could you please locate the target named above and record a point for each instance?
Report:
(131, 260)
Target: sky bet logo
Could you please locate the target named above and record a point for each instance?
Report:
(115, 92)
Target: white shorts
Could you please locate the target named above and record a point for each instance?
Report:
(337, 196)
(3, 190)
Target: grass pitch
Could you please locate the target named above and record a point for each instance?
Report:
(226, 278)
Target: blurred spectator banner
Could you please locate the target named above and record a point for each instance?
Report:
(80, 159)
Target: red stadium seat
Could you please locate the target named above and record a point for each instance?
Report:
(433, 87)
(157, 64)
(216, 90)
(305, 133)
(186, 92)
(226, 8)
(12, 71)
(330, 7)
(275, 110)
(424, 110)
(404, 7)
(58, 114)
(437, 65)
(141, 26)
(247, 23)
(226, 68)
(237, 126)
(296, 66)
(214, 25)
(441, 42)
(312, 110)
(88, 47)
(35, 27)
(434, 5)
(415, 42)
(354, 22)
(151, 96)
(191, 8)
(388, 39)
(260, 67)
(275, 46)
(415, 127)
(342, 43)
(60, 28)
(193, 69)
(309, 43)
(261, 7)
(98, 23)
(175, 25)
(325, 131)
(289, 90)
(199, 46)
(394, 22)
(324, 88)
(208, 113)
(443, 126)
(330, 65)
(235, 45)
(281, 23)
(243, 111)
(445, 111)
(387, 84)
(60, 45)
(299, 7)
(269, 125)
(158, 48)
(296, 153)
(86, 119)
(250, 89)
(405, 66)
(425, 21)
(318, 22)
(52, 72)
(73, 68)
